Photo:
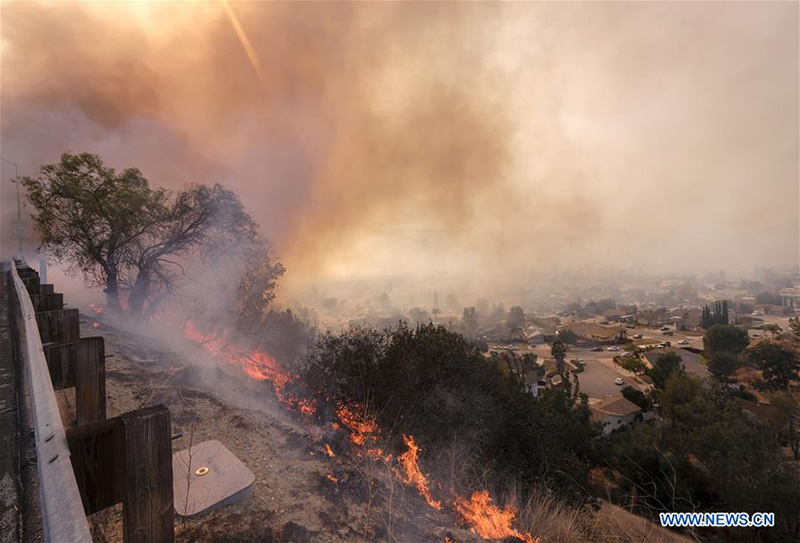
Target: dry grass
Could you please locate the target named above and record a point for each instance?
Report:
(553, 522)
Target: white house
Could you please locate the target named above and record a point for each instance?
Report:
(614, 413)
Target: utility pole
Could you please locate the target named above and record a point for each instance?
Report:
(19, 226)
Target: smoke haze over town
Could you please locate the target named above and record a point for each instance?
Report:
(482, 143)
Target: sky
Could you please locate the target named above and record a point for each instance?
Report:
(477, 141)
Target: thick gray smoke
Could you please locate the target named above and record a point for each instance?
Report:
(472, 141)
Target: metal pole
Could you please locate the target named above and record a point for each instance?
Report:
(19, 207)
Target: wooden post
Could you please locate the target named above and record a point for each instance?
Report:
(128, 459)
(97, 452)
(148, 516)
(61, 362)
(47, 302)
(32, 284)
(90, 380)
(60, 326)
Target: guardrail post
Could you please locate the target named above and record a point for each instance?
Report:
(47, 301)
(128, 459)
(61, 363)
(148, 515)
(90, 380)
(61, 326)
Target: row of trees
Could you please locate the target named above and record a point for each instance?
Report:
(717, 315)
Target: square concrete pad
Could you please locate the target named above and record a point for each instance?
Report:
(214, 478)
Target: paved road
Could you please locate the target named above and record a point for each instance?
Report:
(597, 378)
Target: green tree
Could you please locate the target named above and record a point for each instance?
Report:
(469, 321)
(725, 337)
(120, 234)
(794, 326)
(633, 365)
(558, 350)
(779, 365)
(787, 403)
(637, 396)
(665, 365)
(568, 336)
(722, 365)
(516, 318)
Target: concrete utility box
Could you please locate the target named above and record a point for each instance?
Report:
(208, 476)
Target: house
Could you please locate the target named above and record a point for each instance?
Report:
(654, 317)
(595, 333)
(687, 319)
(614, 413)
(535, 335)
(692, 363)
(500, 333)
(614, 314)
(534, 380)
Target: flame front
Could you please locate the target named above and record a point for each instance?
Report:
(484, 519)
(490, 521)
(413, 475)
(256, 364)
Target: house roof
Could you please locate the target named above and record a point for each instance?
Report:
(766, 413)
(691, 362)
(591, 330)
(618, 406)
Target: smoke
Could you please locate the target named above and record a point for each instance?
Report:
(472, 141)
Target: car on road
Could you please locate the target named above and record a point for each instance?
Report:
(596, 349)
(664, 328)
(619, 381)
(683, 342)
(613, 349)
(637, 336)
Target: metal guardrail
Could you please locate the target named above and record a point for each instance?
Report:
(63, 516)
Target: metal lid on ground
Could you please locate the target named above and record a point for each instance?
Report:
(208, 476)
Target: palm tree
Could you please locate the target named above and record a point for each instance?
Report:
(558, 350)
(773, 329)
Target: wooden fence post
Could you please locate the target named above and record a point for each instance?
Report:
(90, 380)
(61, 326)
(148, 515)
(128, 459)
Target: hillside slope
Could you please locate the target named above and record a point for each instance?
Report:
(301, 494)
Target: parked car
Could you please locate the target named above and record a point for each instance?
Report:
(664, 328)
(683, 342)
(637, 336)
(619, 381)
(596, 349)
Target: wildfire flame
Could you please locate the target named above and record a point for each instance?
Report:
(96, 324)
(98, 309)
(490, 521)
(484, 519)
(256, 364)
(413, 475)
(361, 428)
